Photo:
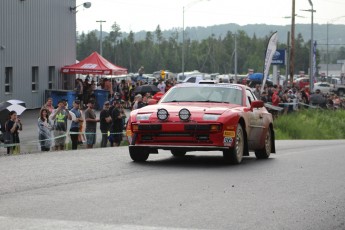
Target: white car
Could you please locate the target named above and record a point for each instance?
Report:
(324, 87)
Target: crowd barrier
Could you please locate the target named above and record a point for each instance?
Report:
(3, 145)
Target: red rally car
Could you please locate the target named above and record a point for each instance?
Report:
(203, 117)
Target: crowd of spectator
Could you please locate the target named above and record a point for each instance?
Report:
(293, 98)
(52, 122)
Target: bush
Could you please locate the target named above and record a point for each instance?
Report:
(311, 124)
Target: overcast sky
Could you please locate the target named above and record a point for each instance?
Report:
(137, 15)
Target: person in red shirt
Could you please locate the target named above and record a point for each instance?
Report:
(275, 97)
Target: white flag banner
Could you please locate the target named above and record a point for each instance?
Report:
(270, 50)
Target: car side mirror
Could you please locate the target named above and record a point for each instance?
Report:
(257, 104)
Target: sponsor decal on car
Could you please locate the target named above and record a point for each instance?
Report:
(227, 141)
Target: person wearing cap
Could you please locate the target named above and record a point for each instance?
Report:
(60, 116)
(75, 125)
(116, 127)
(105, 122)
(91, 124)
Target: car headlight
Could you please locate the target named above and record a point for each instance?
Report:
(184, 114)
(210, 117)
(162, 114)
(143, 117)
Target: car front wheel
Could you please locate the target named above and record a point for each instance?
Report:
(138, 156)
(234, 155)
(266, 151)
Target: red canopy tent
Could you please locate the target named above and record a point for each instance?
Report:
(94, 64)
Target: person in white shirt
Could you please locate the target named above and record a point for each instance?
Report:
(161, 86)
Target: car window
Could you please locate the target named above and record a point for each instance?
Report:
(249, 97)
(191, 80)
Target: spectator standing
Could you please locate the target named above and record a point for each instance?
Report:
(75, 125)
(49, 106)
(79, 89)
(305, 97)
(12, 126)
(264, 97)
(91, 124)
(154, 82)
(86, 90)
(132, 93)
(116, 127)
(138, 102)
(108, 86)
(275, 97)
(125, 93)
(161, 86)
(168, 85)
(318, 99)
(105, 122)
(60, 116)
(257, 92)
(44, 130)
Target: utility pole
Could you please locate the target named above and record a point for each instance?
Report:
(292, 49)
(100, 37)
(236, 58)
(311, 57)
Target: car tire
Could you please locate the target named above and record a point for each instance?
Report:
(138, 156)
(234, 155)
(178, 153)
(266, 151)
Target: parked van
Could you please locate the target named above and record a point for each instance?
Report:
(194, 79)
(183, 76)
(335, 81)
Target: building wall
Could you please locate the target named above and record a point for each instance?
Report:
(38, 33)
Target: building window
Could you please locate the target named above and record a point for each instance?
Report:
(8, 79)
(51, 77)
(34, 84)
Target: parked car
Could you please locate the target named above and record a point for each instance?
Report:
(302, 82)
(203, 117)
(324, 87)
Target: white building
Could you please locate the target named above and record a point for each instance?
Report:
(334, 70)
(37, 38)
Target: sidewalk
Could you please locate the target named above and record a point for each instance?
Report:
(29, 135)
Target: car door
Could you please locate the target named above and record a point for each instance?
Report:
(255, 126)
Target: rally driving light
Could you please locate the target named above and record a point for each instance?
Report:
(162, 114)
(143, 117)
(184, 114)
(210, 117)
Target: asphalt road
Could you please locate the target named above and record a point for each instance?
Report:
(301, 187)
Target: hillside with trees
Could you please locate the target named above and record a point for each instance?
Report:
(208, 49)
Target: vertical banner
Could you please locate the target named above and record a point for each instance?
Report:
(270, 50)
(314, 63)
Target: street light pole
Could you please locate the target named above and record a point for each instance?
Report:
(100, 38)
(183, 43)
(311, 61)
(292, 48)
(183, 39)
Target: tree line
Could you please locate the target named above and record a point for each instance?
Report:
(211, 55)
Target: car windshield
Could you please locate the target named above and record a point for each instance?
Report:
(215, 94)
